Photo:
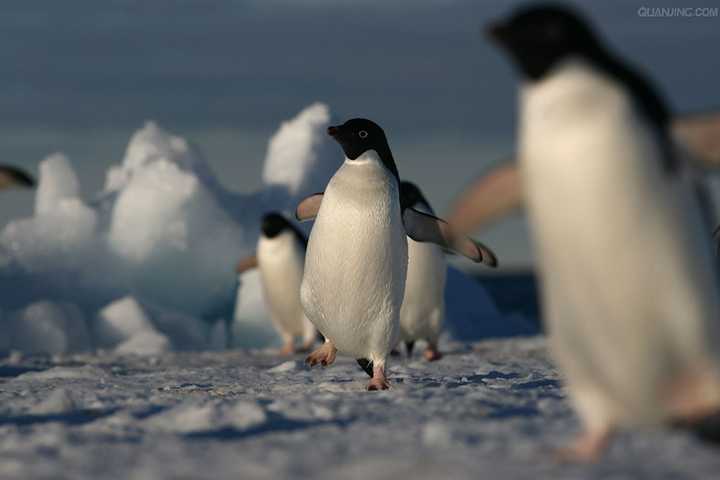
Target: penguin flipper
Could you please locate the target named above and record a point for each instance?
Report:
(423, 227)
(247, 263)
(15, 177)
(700, 134)
(308, 208)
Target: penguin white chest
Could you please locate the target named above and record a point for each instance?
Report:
(423, 305)
(356, 260)
(626, 289)
(281, 261)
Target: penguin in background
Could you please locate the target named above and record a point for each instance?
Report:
(280, 257)
(357, 255)
(15, 177)
(628, 287)
(423, 307)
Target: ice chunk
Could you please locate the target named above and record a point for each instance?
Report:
(46, 327)
(57, 182)
(179, 241)
(60, 400)
(86, 372)
(191, 416)
(301, 156)
(285, 367)
(125, 323)
(151, 144)
(62, 229)
(144, 343)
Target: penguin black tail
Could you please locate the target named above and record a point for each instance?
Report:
(366, 365)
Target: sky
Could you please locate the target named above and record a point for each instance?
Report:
(80, 77)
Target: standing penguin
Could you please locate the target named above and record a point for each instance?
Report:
(423, 306)
(629, 292)
(280, 257)
(356, 260)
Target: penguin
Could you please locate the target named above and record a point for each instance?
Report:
(423, 306)
(280, 257)
(629, 292)
(15, 177)
(357, 254)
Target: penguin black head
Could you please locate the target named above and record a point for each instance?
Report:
(411, 195)
(273, 224)
(358, 135)
(540, 37)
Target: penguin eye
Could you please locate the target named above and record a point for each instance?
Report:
(362, 134)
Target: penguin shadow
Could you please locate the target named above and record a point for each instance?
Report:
(12, 371)
(72, 418)
(275, 423)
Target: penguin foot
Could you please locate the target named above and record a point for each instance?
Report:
(378, 381)
(324, 355)
(377, 384)
(587, 448)
(432, 354)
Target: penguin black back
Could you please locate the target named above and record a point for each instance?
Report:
(540, 37)
(411, 195)
(358, 135)
(274, 223)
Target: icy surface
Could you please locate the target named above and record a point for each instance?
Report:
(493, 409)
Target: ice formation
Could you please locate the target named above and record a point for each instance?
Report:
(146, 265)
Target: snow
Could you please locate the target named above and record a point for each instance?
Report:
(147, 264)
(490, 409)
(163, 231)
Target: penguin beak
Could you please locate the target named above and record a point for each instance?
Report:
(333, 131)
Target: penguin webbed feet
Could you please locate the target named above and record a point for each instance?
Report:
(323, 355)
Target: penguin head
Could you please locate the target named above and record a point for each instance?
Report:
(273, 224)
(411, 196)
(359, 135)
(539, 37)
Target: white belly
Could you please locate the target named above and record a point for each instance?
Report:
(629, 296)
(423, 307)
(280, 261)
(356, 261)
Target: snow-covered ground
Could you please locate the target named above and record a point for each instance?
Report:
(494, 409)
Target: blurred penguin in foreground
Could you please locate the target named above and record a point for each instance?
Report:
(628, 287)
(280, 257)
